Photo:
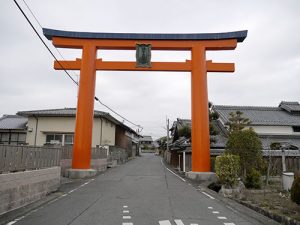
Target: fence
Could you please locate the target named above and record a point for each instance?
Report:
(20, 158)
(118, 154)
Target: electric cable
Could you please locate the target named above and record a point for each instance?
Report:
(55, 58)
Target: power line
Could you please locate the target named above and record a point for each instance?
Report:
(36, 32)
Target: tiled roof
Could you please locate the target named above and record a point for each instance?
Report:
(146, 138)
(13, 122)
(291, 107)
(67, 112)
(275, 116)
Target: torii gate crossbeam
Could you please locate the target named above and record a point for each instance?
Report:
(198, 44)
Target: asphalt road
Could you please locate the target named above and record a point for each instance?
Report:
(140, 192)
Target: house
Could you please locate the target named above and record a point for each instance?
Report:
(146, 142)
(55, 127)
(272, 124)
(13, 130)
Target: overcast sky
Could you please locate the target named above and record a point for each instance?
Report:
(267, 62)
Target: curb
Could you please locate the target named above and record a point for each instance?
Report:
(281, 219)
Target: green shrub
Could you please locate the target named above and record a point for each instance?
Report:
(253, 179)
(295, 190)
(227, 168)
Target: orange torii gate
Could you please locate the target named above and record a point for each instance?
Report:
(198, 44)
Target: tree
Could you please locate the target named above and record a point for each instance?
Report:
(247, 145)
(237, 121)
(184, 131)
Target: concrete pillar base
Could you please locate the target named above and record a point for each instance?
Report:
(81, 173)
(202, 176)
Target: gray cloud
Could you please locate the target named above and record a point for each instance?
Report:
(267, 63)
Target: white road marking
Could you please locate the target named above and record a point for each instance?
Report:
(194, 223)
(22, 217)
(231, 209)
(215, 212)
(71, 191)
(178, 222)
(125, 206)
(125, 211)
(64, 195)
(211, 197)
(172, 171)
(210, 207)
(165, 222)
(126, 217)
(127, 223)
(222, 218)
(229, 224)
(11, 222)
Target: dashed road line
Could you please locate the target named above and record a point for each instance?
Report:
(11, 222)
(172, 172)
(178, 222)
(229, 223)
(222, 218)
(215, 212)
(126, 217)
(125, 211)
(127, 223)
(194, 223)
(211, 197)
(165, 222)
(125, 206)
(210, 207)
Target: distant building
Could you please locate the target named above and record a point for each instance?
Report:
(13, 130)
(146, 142)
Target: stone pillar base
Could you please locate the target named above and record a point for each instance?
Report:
(202, 176)
(80, 173)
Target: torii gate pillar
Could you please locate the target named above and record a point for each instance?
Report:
(198, 44)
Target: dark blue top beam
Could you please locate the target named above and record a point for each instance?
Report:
(239, 35)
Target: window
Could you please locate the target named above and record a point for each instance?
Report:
(54, 138)
(12, 138)
(63, 139)
(296, 128)
(69, 139)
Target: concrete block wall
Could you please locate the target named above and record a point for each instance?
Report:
(21, 188)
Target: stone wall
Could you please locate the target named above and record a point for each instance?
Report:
(21, 188)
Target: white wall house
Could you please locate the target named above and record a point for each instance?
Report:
(57, 126)
(273, 124)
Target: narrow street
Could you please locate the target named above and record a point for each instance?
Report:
(141, 192)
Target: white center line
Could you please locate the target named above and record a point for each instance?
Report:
(178, 222)
(125, 211)
(172, 171)
(126, 217)
(211, 197)
(165, 222)
(194, 223)
(210, 207)
(127, 223)
(125, 206)
(222, 218)
(229, 224)
(215, 212)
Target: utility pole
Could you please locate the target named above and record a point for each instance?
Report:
(167, 121)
